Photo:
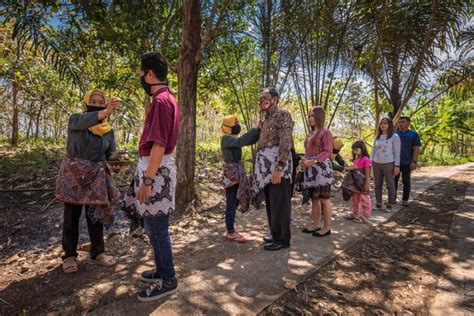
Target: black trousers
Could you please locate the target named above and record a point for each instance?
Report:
(72, 214)
(405, 172)
(278, 204)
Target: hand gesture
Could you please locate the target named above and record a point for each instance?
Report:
(257, 124)
(113, 104)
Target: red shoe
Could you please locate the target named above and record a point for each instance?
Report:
(238, 238)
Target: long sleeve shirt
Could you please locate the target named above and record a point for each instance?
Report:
(386, 150)
(277, 130)
(81, 143)
(322, 148)
(231, 146)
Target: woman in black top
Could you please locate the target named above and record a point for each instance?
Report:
(236, 184)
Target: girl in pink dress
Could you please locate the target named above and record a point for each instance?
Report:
(363, 164)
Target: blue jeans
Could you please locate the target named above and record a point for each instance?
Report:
(157, 230)
(231, 206)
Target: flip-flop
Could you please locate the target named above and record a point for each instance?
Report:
(70, 265)
(351, 216)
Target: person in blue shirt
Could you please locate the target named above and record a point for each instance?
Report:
(410, 147)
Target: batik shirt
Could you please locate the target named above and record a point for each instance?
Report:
(277, 130)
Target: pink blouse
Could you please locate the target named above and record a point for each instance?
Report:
(323, 148)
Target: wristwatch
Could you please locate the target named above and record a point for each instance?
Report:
(148, 181)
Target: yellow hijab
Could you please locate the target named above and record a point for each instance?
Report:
(228, 123)
(101, 128)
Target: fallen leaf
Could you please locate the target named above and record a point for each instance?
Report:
(13, 258)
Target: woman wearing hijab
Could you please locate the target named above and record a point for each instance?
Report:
(85, 180)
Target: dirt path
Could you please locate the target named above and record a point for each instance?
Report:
(396, 269)
(214, 275)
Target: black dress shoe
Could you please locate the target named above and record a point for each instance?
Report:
(268, 239)
(308, 231)
(273, 246)
(317, 234)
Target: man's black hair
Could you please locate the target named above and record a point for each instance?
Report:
(273, 92)
(157, 63)
(405, 118)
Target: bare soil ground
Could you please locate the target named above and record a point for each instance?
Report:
(32, 281)
(394, 270)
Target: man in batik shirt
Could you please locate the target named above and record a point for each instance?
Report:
(273, 169)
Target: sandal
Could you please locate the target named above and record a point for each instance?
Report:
(105, 260)
(70, 265)
(361, 219)
(351, 216)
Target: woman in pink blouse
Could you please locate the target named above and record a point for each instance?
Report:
(318, 173)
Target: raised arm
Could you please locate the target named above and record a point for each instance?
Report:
(249, 138)
(82, 121)
(86, 120)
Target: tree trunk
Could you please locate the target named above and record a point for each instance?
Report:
(394, 93)
(266, 30)
(38, 116)
(15, 127)
(188, 68)
(30, 123)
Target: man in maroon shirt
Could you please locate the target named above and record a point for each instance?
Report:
(153, 194)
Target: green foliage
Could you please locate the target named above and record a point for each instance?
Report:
(317, 53)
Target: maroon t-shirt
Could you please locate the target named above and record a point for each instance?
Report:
(161, 123)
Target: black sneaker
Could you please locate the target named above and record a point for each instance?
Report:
(158, 290)
(150, 276)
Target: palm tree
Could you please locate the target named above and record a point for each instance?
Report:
(408, 39)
